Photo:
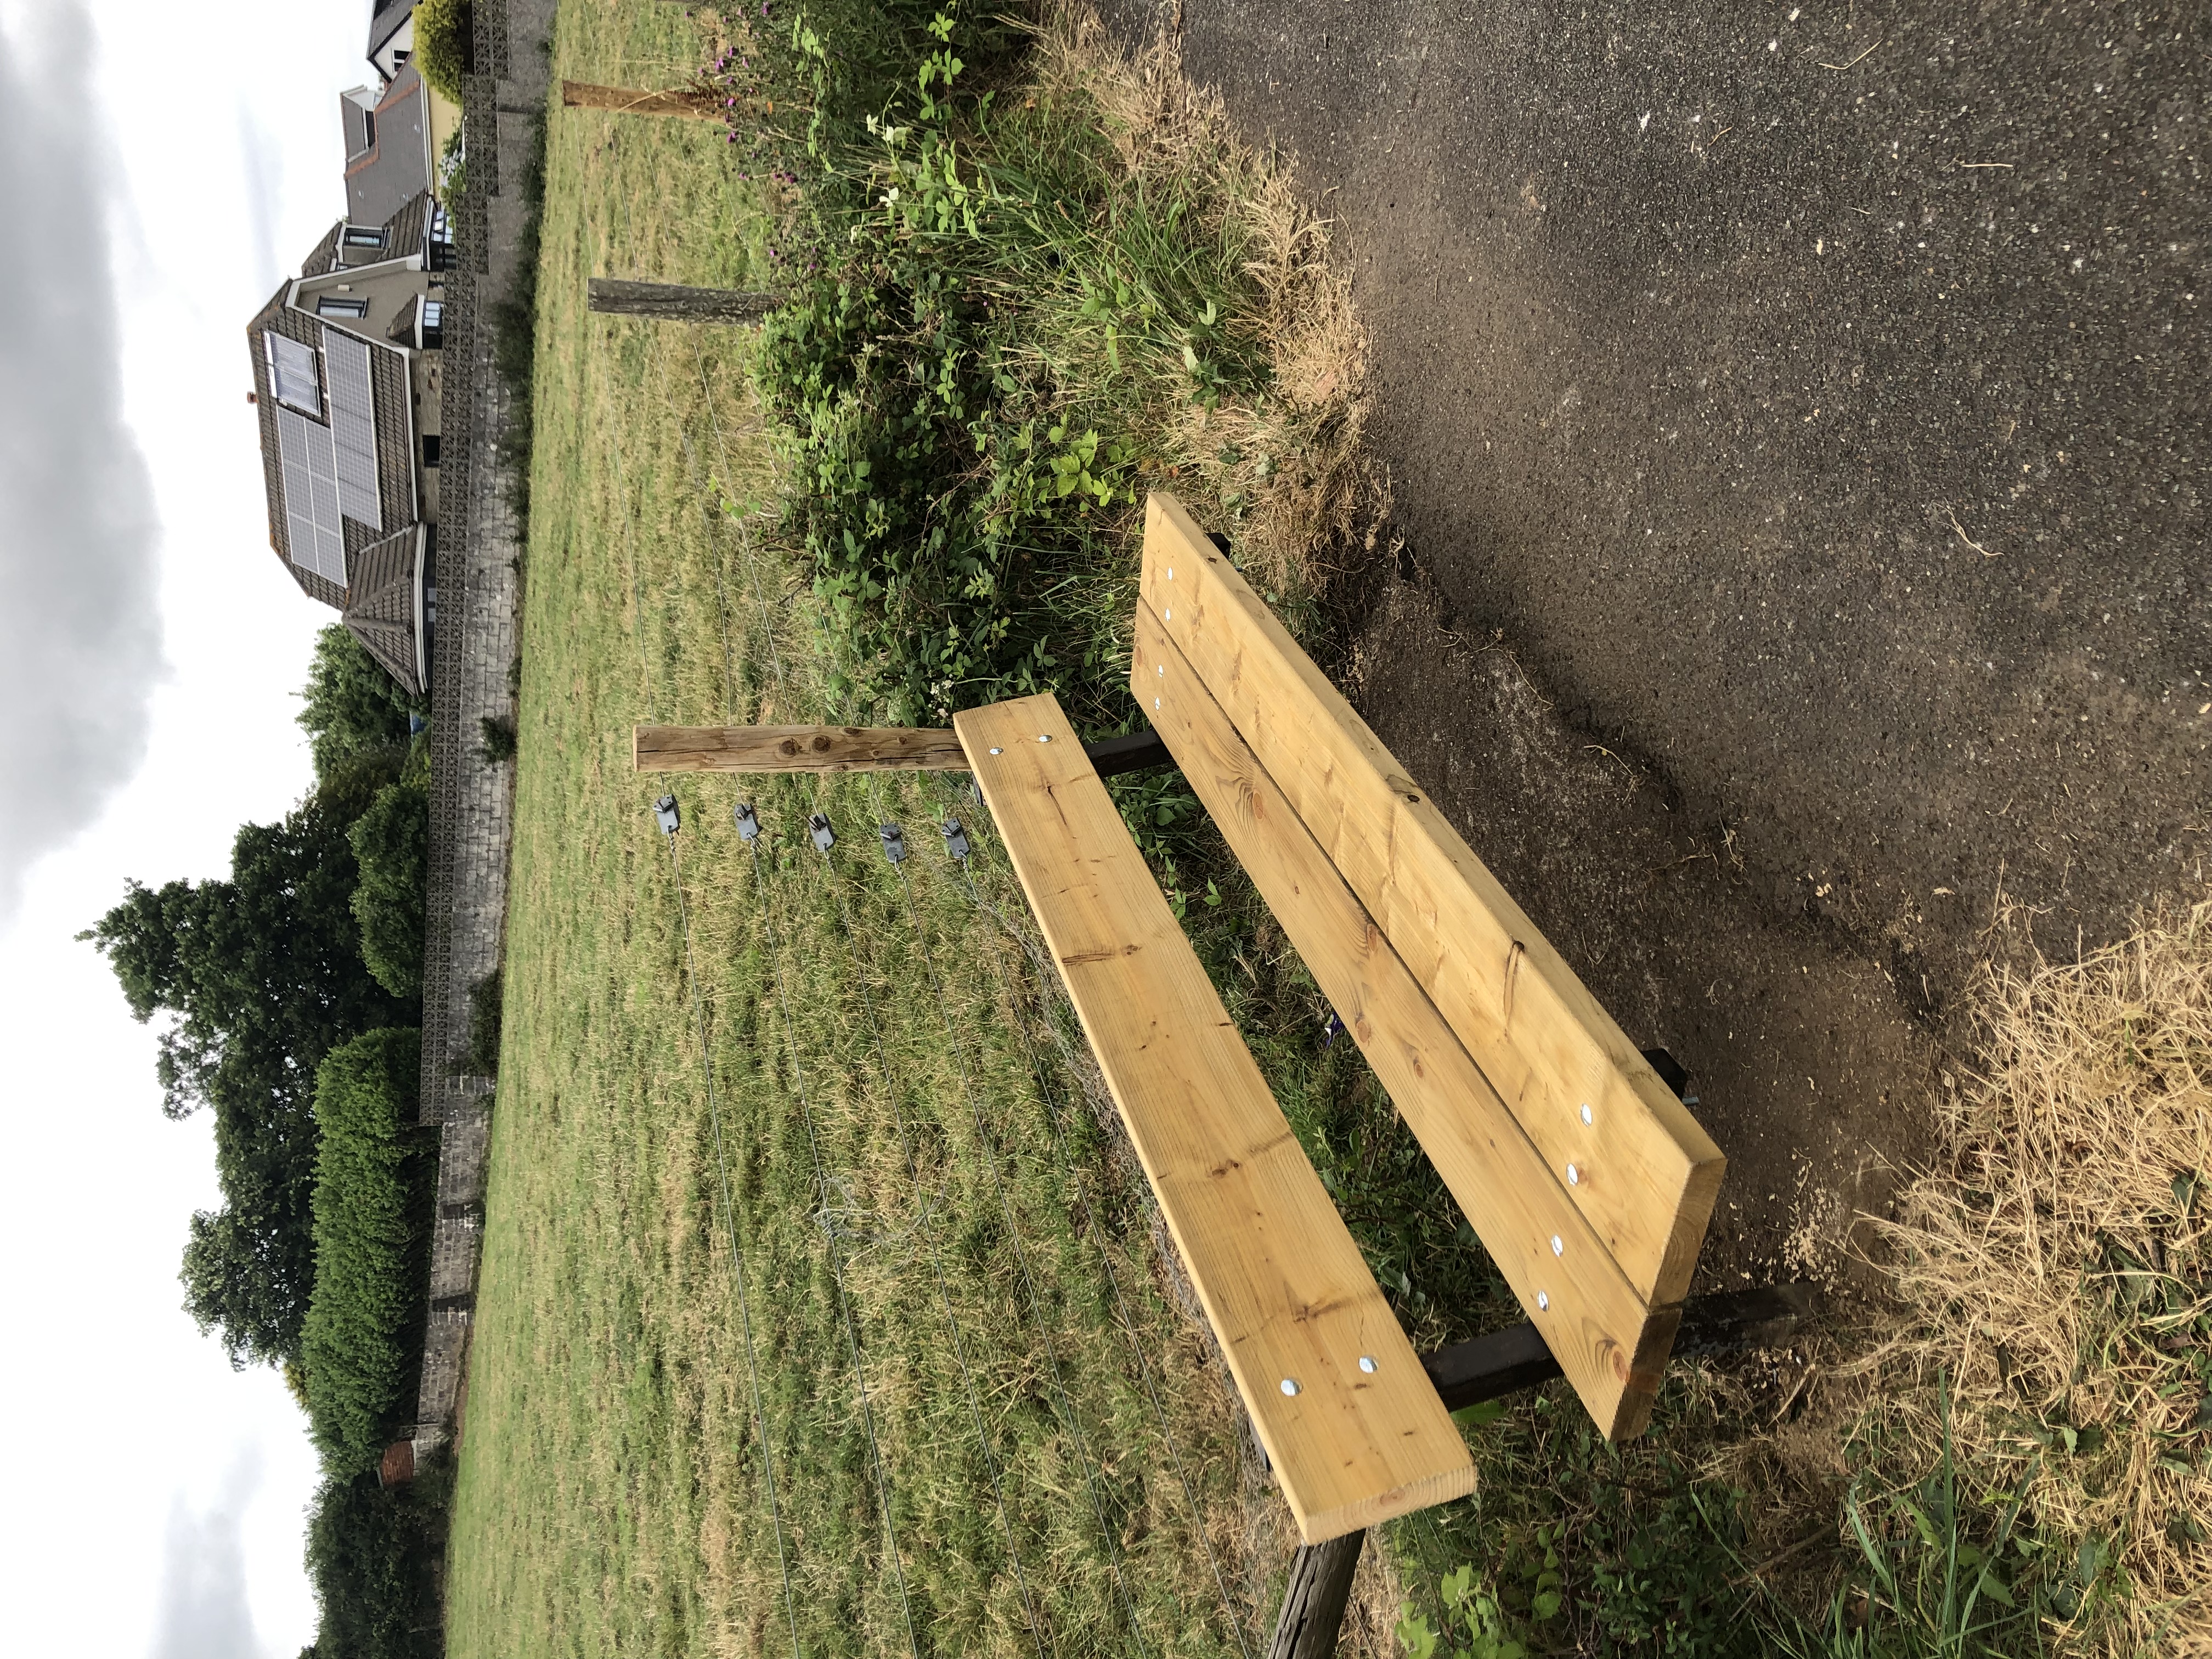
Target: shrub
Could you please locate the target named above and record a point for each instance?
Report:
(370, 1246)
(498, 736)
(374, 1554)
(483, 1024)
(995, 345)
(453, 167)
(444, 44)
(391, 844)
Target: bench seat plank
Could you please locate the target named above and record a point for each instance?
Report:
(1647, 1174)
(1280, 1277)
(1609, 1344)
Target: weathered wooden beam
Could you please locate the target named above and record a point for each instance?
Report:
(1138, 753)
(636, 100)
(797, 748)
(1314, 1600)
(850, 749)
(1354, 1431)
(675, 302)
(1499, 1362)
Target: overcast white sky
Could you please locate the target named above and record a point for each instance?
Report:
(160, 168)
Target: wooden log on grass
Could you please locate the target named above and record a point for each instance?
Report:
(675, 302)
(636, 100)
(797, 748)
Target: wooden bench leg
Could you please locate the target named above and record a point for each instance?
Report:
(1314, 1601)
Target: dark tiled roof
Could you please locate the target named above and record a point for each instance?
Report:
(395, 435)
(384, 22)
(381, 605)
(403, 323)
(278, 317)
(326, 256)
(405, 230)
(391, 402)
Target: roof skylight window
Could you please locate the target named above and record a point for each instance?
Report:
(292, 374)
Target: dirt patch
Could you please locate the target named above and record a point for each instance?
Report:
(1807, 1069)
(1801, 528)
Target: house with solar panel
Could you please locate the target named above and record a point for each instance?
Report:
(347, 371)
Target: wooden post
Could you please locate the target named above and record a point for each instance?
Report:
(675, 302)
(634, 100)
(796, 748)
(849, 749)
(1314, 1601)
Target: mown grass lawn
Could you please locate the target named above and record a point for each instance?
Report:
(612, 1494)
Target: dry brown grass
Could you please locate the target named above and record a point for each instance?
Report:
(2052, 1275)
(1290, 465)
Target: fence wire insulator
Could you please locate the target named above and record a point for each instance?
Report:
(893, 841)
(665, 811)
(956, 840)
(748, 822)
(817, 825)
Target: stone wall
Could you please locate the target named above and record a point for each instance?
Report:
(479, 554)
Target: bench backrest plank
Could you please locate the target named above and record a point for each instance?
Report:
(1610, 1346)
(1646, 1173)
(1284, 1285)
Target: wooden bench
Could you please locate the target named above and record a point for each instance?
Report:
(1586, 1179)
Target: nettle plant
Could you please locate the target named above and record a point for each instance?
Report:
(1479, 1621)
(973, 382)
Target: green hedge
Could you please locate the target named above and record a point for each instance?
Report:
(373, 1555)
(444, 34)
(371, 1187)
(391, 846)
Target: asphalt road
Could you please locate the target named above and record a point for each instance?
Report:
(1798, 420)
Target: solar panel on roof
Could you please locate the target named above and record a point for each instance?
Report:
(353, 427)
(308, 459)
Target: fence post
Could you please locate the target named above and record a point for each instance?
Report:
(1313, 1601)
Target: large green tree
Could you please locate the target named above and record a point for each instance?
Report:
(263, 975)
(351, 709)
